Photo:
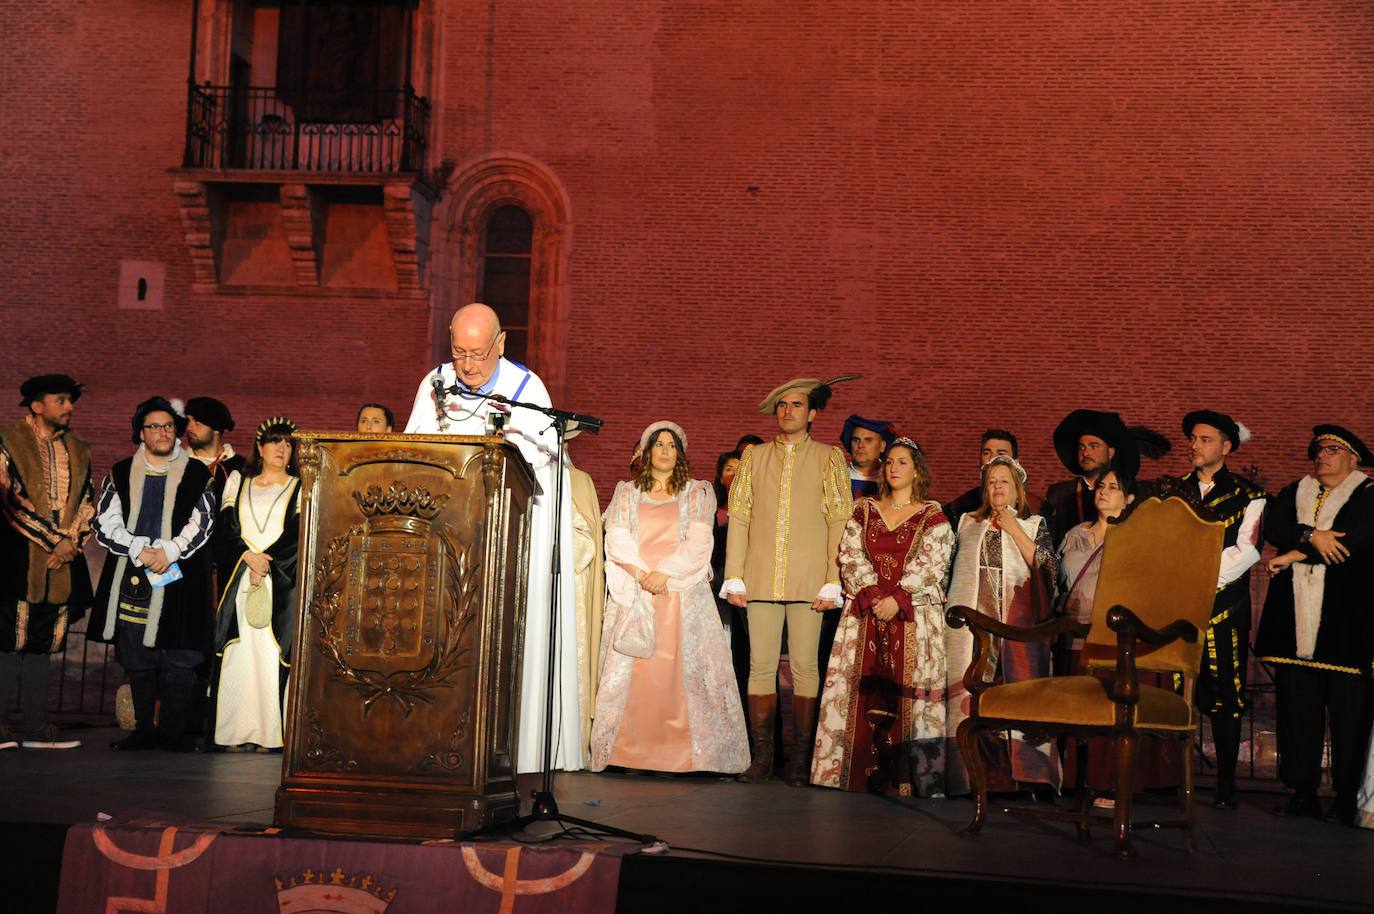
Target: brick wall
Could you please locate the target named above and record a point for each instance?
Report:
(995, 212)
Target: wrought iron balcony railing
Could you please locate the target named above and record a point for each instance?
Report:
(263, 128)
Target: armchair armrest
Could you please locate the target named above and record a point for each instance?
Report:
(959, 616)
(983, 627)
(1129, 630)
(1119, 618)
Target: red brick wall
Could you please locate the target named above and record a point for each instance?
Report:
(995, 212)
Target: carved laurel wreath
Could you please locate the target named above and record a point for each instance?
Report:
(406, 687)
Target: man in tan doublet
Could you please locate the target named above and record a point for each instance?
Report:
(788, 506)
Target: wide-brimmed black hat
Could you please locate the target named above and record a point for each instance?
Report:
(855, 421)
(1108, 427)
(1219, 421)
(44, 384)
(1346, 437)
(211, 412)
(155, 405)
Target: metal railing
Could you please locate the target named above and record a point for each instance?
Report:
(261, 128)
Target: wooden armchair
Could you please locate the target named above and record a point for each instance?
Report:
(1154, 597)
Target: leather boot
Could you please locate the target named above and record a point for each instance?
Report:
(798, 773)
(761, 711)
(143, 691)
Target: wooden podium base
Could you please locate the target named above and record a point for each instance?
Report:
(406, 815)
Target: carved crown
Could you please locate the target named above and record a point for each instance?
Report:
(316, 890)
(399, 508)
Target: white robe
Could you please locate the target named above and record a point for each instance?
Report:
(251, 695)
(529, 431)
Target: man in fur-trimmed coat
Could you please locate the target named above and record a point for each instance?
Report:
(156, 511)
(1318, 625)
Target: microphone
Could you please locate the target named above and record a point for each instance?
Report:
(438, 385)
(586, 423)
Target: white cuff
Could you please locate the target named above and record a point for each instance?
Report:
(731, 585)
(136, 547)
(831, 593)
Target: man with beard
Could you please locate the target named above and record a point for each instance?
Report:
(1239, 504)
(207, 422)
(1087, 442)
(1317, 628)
(46, 510)
(155, 515)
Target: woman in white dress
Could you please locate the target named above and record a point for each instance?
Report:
(667, 700)
(1004, 567)
(256, 543)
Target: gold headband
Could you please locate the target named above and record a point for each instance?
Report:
(269, 423)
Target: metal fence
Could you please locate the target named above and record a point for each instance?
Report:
(257, 128)
(86, 677)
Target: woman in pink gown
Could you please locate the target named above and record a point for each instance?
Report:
(667, 699)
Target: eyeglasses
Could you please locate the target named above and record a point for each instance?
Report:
(461, 356)
(160, 427)
(1330, 450)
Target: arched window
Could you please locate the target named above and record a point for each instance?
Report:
(505, 284)
(505, 229)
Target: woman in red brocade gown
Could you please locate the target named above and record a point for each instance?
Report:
(882, 715)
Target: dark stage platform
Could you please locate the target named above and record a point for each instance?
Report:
(755, 848)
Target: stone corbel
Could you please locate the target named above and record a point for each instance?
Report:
(297, 220)
(198, 226)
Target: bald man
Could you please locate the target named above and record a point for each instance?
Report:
(479, 368)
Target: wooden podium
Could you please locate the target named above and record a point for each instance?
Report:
(405, 680)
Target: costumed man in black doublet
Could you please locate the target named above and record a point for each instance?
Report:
(1318, 624)
(207, 422)
(1221, 495)
(1087, 442)
(153, 603)
(46, 506)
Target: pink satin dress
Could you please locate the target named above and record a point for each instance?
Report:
(655, 732)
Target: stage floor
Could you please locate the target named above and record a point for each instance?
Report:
(729, 841)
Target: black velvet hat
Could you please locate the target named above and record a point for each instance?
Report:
(1108, 427)
(211, 412)
(44, 384)
(156, 405)
(1347, 438)
(1219, 421)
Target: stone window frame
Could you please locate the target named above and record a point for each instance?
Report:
(456, 263)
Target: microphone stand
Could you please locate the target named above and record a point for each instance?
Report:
(545, 806)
